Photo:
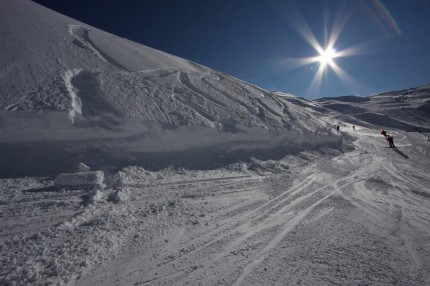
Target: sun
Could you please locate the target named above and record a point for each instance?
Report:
(327, 56)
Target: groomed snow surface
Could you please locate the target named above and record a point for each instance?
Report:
(323, 217)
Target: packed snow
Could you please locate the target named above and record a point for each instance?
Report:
(123, 165)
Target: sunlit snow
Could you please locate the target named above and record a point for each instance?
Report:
(124, 165)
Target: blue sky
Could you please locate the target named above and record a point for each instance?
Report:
(381, 45)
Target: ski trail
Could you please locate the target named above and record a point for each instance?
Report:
(240, 224)
(366, 197)
(262, 254)
(273, 243)
(252, 215)
(287, 227)
(258, 221)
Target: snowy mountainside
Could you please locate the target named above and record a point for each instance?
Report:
(62, 80)
(408, 110)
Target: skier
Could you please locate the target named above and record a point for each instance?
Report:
(390, 141)
(353, 127)
(337, 128)
(383, 132)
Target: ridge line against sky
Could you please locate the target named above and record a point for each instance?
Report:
(308, 48)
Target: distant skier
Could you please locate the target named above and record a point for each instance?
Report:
(353, 127)
(383, 132)
(337, 128)
(390, 141)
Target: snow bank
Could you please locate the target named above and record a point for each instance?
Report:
(154, 146)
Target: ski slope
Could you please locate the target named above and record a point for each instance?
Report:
(357, 218)
(408, 110)
(322, 217)
(208, 180)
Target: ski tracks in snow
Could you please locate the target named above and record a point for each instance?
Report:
(235, 252)
(355, 218)
(259, 230)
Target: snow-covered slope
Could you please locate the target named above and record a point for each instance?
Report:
(62, 80)
(408, 110)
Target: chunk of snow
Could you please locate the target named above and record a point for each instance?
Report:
(83, 168)
(87, 180)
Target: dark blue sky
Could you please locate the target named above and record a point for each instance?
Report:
(262, 41)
